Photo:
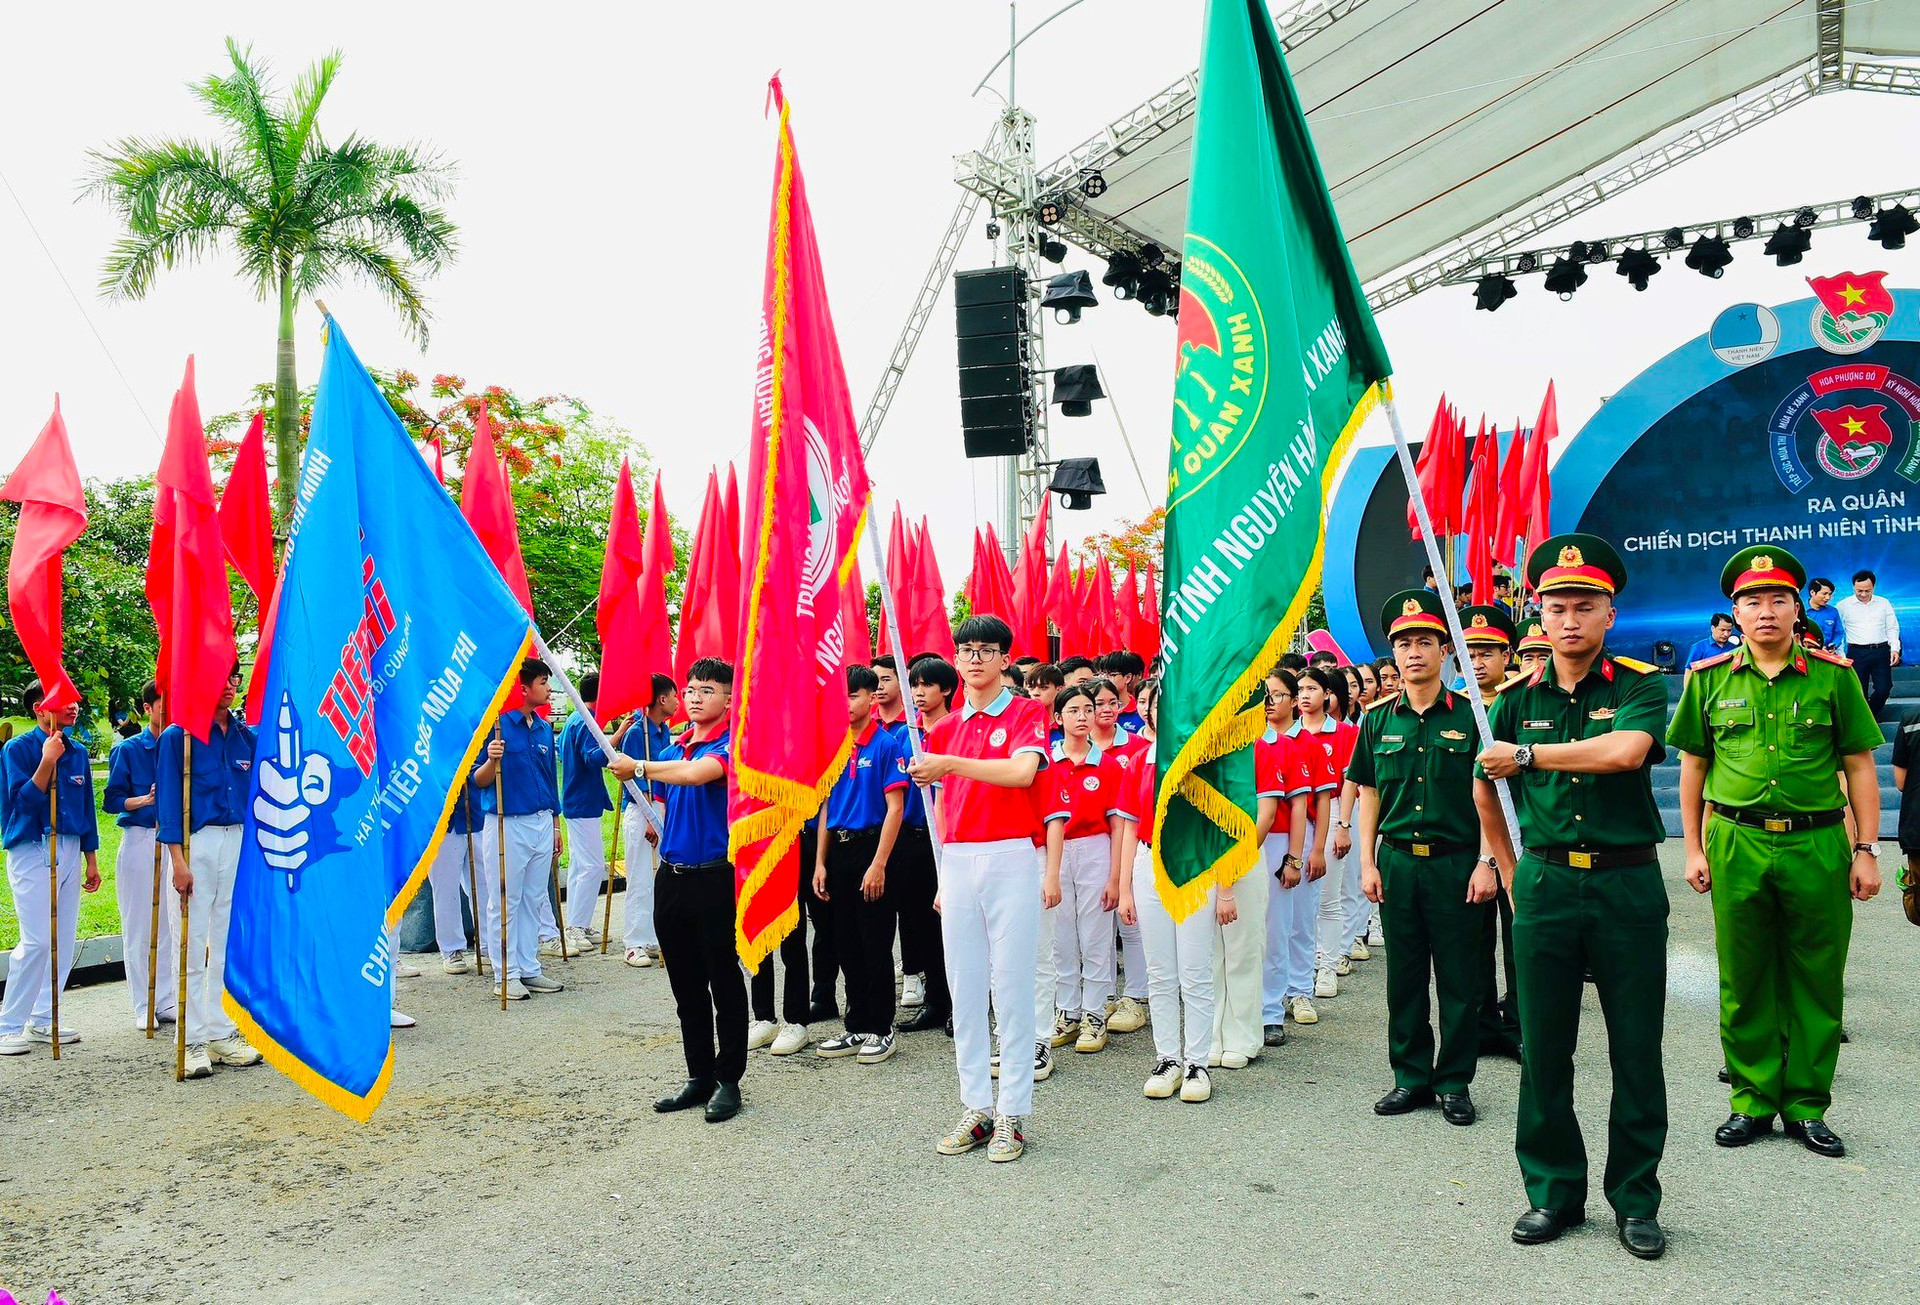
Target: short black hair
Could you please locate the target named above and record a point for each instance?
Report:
(532, 669)
(150, 693)
(1014, 673)
(1148, 701)
(1718, 617)
(1044, 675)
(1124, 663)
(1321, 657)
(1293, 661)
(1028, 662)
(1868, 576)
(938, 672)
(885, 662)
(1819, 582)
(1072, 691)
(30, 696)
(1285, 677)
(985, 629)
(1330, 679)
(1068, 665)
(862, 677)
(662, 686)
(589, 686)
(1386, 664)
(714, 670)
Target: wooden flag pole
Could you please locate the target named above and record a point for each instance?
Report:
(53, 877)
(559, 907)
(186, 855)
(613, 859)
(473, 886)
(153, 939)
(500, 812)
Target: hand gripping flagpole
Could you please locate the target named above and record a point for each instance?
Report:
(1454, 630)
(915, 736)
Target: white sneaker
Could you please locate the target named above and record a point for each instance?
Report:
(550, 946)
(1303, 1011)
(403, 969)
(913, 990)
(541, 983)
(399, 1020)
(1196, 1086)
(1325, 984)
(580, 942)
(457, 962)
(198, 1065)
(791, 1038)
(1343, 967)
(1165, 1079)
(16, 1044)
(232, 1051)
(1360, 952)
(1230, 1060)
(44, 1033)
(1375, 938)
(639, 958)
(482, 964)
(516, 991)
(1129, 1016)
(761, 1033)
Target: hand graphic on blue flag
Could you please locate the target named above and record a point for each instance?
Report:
(293, 786)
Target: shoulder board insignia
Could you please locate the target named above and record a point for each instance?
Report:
(1515, 678)
(1826, 655)
(1704, 662)
(1382, 702)
(1645, 668)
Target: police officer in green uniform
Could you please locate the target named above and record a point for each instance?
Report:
(1763, 733)
(1490, 634)
(1413, 764)
(1579, 738)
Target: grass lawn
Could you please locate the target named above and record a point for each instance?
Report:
(99, 912)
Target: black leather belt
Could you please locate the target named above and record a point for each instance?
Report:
(854, 835)
(1581, 858)
(705, 867)
(1431, 848)
(1781, 824)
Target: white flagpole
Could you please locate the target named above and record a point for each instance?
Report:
(599, 735)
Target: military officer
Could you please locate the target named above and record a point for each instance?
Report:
(1763, 731)
(1533, 647)
(1490, 632)
(1579, 738)
(1420, 845)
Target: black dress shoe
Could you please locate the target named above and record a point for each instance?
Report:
(1816, 1136)
(1401, 1100)
(694, 1092)
(1724, 1076)
(1542, 1225)
(1644, 1237)
(725, 1104)
(1741, 1129)
(922, 1020)
(1457, 1108)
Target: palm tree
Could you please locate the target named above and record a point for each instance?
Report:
(299, 213)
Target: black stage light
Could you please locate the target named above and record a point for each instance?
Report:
(1093, 185)
(1067, 293)
(1123, 274)
(1806, 217)
(1075, 388)
(1565, 276)
(1674, 238)
(1151, 255)
(1052, 250)
(1491, 291)
(1076, 481)
(1709, 256)
(1863, 207)
(1892, 226)
(1577, 251)
(1789, 244)
(993, 229)
(1156, 291)
(1742, 228)
(1597, 251)
(1638, 266)
(1528, 262)
(1049, 210)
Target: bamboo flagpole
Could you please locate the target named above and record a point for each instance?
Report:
(500, 840)
(613, 860)
(53, 877)
(559, 907)
(186, 856)
(153, 938)
(473, 885)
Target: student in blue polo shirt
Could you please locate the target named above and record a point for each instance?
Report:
(912, 877)
(221, 780)
(131, 799)
(862, 820)
(520, 755)
(648, 739)
(43, 758)
(452, 877)
(583, 800)
(694, 899)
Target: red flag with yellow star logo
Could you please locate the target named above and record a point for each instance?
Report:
(1855, 430)
(1859, 293)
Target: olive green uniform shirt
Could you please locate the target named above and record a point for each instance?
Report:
(1422, 766)
(1562, 809)
(1774, 745)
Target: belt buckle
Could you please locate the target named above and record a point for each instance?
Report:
(1580, 860)
(1422, 849)
(1776, 825)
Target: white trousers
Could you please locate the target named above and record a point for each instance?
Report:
(133, 886)
(529, 859)
(643, 862)
(1083, 929)
(586, 871)
(449, 882)
(1238, 952)
(215, 861)
(29, 974)
(990, 924)
(1331, 940)
(1179, 967)
(1290, 929)
(1134, 954)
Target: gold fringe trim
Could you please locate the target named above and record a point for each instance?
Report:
(347, 1102)
(791, 806)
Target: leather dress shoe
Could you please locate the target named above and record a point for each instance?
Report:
(694, 1092)
(1457, 1108)
(1741, 1129)
(725, 1104)
(823, 1012)
(1724, 1076)
(1401, 1100)
(1542, 1225)
(1816, 1136)
(921, 1020)
(1643, 1238)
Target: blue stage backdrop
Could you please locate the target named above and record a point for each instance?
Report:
(1759, 431)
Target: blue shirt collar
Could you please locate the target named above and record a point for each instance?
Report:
(968, 711)
(1271, 736)
(1060, 750)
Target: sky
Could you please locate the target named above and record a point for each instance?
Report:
(613, 174)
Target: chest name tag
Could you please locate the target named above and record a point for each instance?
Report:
(1393, 738)
(1536, 724)
(1733, 702)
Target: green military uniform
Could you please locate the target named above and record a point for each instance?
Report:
(1491, 625)
(1588, 896)
(1421, 766)
(1777, 847)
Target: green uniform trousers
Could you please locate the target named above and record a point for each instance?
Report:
(1499, 1016)
(1782, 920)
(1566, 921)
(1432, 930)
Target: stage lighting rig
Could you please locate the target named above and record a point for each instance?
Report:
(1529, 262)
(1638, 266)
(1789, 243)
(1491, 292)
(1565, 276)
(1156, 291)
(1709, 256)
(1075, 388)
(1151, 255)
(1093, 185)
(1050, 210)
(1674, 238)
(1068, 293)
(1863, 207)
(1892, 226)
(1122, 275)
(993, 229)
(1743, 228)
(1806, 217)
(1052, 250)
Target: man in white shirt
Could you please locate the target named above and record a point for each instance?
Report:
(1873, 638)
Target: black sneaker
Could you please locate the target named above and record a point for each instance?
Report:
(1042, 1061)
(845, 1044)
(879, 1047)
(1275, 1035)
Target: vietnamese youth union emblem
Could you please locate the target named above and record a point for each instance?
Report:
(1853, 310)
(1221, 366)
(997, 738)
(1090, 783)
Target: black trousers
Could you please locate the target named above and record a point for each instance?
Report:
(1873, 663)
(796, 995)
(913, 882)
(862, 932)
(693, 913)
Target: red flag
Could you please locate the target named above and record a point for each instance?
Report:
(853, 621)
(1129, 600)
(1854, 431)
(805, 505)
(731, 503)
(1849, 293)
(935, 626)
(1063, 605)
(1113, 633)
(1147, 641)
(1536, 486)
(1482, 508)
(899, 569)
(439, 463)
(1002, 579)
(1507, 506)
(187, 573)
(709, 603)
(626, 675)
(486, 501)
(1430, 469)
(53, 512)
(976, 574)
(656, 648)
(1030, 588)
(246, 514)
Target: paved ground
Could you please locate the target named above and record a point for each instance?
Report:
(516, 1160)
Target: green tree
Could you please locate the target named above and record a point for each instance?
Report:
(299, 213)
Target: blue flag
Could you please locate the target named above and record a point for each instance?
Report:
(394, 642)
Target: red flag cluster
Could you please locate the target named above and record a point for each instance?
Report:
(53, 512)
(1474, 494)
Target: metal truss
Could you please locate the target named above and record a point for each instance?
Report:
(1830, 25)
(1892, 78)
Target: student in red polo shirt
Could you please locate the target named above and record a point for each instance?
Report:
(985, 756)
(1082, 789)
(1118, 741)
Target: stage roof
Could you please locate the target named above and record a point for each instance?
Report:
(1438, 118)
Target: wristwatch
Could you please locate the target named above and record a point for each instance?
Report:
(1871, 849)
(1523, 756)
(1343, 824)
(1491, 862)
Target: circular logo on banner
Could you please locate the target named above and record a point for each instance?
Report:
(997, 738)
(1221, 367)
(1744, 334)
(1866, 413)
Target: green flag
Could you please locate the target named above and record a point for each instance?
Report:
(1279, 362)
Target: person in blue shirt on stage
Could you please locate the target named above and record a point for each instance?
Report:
(649, 738)
(912, 878)
(1722, 640)
(44, 758)
(694, 899)
(520, 757)
(862, 820)
(1823, 616)
(222, 776)
(132, 799)
(583, 800)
